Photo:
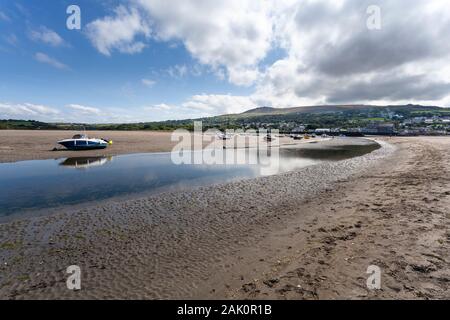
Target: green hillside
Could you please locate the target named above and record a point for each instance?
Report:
(315, 117)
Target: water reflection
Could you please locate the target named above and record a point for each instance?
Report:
(85, 162)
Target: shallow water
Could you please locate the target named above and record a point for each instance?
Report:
(42, 184)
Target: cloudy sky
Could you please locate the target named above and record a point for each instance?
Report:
(148, 60)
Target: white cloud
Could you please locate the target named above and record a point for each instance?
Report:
(163, 106)
(234, 34)
(4, 17)
(43, 58)
(119, 32)
(26, 110)
(243, 76)
(197, 70)
(160, 107)
(326, 53)
(330, 53)
(47, 36)
(84, 110)
(219, 104)
(177, 71)
(344, 62)
(11, 39)
(335, 62)
(148, 83)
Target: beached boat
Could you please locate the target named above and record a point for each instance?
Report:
(83, 142)
(223, 136)
(269, 138)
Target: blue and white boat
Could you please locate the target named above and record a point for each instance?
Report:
(83, 142)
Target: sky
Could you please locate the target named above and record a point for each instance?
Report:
(152, 60)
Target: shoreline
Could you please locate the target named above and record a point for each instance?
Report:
(172, 246)
(23, 145)
(311, 148)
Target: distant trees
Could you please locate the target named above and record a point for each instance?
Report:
(312, 118)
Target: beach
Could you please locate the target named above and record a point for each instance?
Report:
(307, 234)
(19, 145)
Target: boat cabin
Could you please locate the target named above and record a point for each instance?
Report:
(80, 136)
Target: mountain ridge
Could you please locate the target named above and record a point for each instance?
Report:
(328, 108)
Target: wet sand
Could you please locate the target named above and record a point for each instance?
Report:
(17, 145)
(309, 234)
(395, 216)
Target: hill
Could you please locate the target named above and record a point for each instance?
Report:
(284, 119)
(336, 108)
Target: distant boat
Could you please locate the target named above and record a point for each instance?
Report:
(223, 136)
(269, 138)
(83, 142)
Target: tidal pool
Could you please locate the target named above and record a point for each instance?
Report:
(43, 184)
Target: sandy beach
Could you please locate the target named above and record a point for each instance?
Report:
(308, 234)
(18, 145)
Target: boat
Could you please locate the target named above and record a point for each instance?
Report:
(269, 138)
(223, 136)
(83, 142)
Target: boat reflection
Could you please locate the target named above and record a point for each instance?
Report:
(85, 162)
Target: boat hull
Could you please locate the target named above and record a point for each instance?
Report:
(83, 145)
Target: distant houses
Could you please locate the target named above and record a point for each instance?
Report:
(385, 123)
(379, 128)
(322, 131)
(298, 130)
(430, 126)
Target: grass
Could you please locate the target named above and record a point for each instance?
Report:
(10, 245)
(23, 278)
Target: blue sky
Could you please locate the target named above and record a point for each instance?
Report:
(91, 78)
(148, 60)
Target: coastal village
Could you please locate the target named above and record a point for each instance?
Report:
(394, 125)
